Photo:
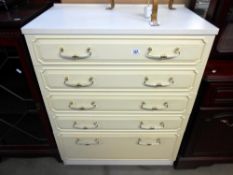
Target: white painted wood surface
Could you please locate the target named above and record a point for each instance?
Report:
(124, 19)
(102, 123)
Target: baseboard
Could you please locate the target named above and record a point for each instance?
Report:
(119, 162)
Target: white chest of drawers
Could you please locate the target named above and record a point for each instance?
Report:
(118, 92)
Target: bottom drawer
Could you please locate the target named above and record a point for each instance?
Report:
(123, 146)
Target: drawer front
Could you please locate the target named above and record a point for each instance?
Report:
(66, 79)
(219, 94)
(87, 51)
(118, 146)
(133, 103)
(213, 133)
(109, 122)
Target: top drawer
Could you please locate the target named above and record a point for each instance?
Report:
(122, 51)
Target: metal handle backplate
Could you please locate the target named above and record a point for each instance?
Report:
(73, 107)
(164, 56)
(78, 85)
(88, 142)
(77, 125)
(159, 84)
(161, 125)
(75, 57)
(154, 108)
(149, 142)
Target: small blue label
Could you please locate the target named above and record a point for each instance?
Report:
(136, 51)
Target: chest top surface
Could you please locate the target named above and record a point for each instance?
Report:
(124, 20)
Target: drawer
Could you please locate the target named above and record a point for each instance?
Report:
(118, 146)
(122, 50)
(75, 80)
(218, 84)
(117, 103)
(218, 94)
(116, 122)
(213, 133)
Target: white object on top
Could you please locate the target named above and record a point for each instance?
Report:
(123, 19)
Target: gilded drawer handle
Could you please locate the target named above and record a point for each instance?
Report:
(227, 123)
(71, 106)
(156, 108)
(78, 85)
(94, 125)
(75, 57)
(147, 143)
(162, 57)
(161, 125)
(87, 142)
(160, 84)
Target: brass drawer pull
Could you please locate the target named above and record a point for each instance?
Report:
(162, 57)
(147, 143)
(161, 125)
(87, 142)
(78, 85)
(72, 107)
(75, 57)
(156, 108)
(227, 123)
(160, 84)
(76, 125)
